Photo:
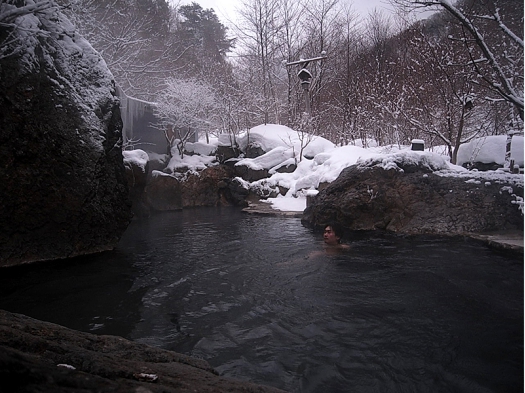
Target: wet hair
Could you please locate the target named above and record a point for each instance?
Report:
(337, 229)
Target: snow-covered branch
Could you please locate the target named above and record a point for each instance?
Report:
(9, 13)
(497, 18)
(502, 82)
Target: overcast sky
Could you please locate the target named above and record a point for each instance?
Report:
(226, 8)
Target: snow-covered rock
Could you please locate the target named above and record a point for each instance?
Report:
(417, 201)
(273, 158)
(137, 158)
(63, 190)
(270, 136)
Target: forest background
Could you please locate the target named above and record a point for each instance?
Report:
(387, 78)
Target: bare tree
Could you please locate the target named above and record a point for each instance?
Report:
(501, 70)
(438, 100)
(290, 40)
(321, 29)
(146, 42)
(257, 30)
(135, 40)
(344, 94)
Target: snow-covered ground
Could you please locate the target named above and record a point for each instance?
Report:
(322, 161)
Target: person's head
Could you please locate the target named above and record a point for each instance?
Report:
(333, 233)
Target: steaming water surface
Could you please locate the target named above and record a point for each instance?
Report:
(260, 300)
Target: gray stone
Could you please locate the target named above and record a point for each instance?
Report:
(37, 356)
(225, 153)
(254, 150)
(290, 168)
(250, 174)
(163, 192)
(482, 166)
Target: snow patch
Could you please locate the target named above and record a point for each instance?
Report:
(201, 148)
(396, 161)
(190, 163)
(273, 158)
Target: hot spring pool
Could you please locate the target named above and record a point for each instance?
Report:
(260, 300)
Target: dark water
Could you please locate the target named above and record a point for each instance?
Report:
(260, 300)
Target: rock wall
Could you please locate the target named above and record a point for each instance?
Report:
(415, 201)
(212, 186)
(63, 188)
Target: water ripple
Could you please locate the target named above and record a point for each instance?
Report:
(260, 300)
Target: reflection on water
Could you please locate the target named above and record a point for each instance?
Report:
(254, 297)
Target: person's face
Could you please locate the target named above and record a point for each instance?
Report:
(330, 237)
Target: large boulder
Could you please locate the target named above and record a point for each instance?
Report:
(38, 356)
(417, 200)
(63, 188)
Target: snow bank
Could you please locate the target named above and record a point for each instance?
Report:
(487, 177)
(325, 167)
(201, 148)
(287, 204)
(331, 163)
(282, 145)
(270, 136)
(190, 163)
(491, 149)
